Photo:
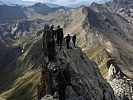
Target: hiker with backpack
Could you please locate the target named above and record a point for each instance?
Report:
(44, 44)
(50, 42)
(53, 32)
(60, 35)
(68, 38)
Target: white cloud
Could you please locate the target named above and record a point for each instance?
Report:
(69, 2)
(40, 0)
(66, 0)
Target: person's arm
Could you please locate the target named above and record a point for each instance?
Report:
(65, 37)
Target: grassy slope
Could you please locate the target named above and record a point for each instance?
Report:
(23, 74)
(98, 55)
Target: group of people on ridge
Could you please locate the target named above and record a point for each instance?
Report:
(54, 37)
(51, 38)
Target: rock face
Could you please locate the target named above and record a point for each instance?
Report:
(122, 86)
(112, 70)
(87, 82)
(123, 8)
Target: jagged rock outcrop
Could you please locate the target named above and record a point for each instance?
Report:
(122, 86)
(87, 82)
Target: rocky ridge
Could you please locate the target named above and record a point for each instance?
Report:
(87, 82)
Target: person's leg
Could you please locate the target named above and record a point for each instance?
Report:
(67, 45)
(57, 42)
(53, 48)
(50, 56)
(60, 44)
(51, 51)
(48, 50)
(74, 42)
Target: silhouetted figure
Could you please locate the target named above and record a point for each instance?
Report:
(50, 43)
(74, 40)
(60, 36)
(44, 44)
(53, 32)
(68, 38)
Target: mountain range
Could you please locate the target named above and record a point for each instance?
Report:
(14, 13)
(104, 32)
(26, 3)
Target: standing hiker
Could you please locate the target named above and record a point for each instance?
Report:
(50, 43)
(74, 39)
(68, 38)
(44, 44)
(60, 36)
(53, 31)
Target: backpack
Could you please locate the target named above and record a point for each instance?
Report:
(60, 33)
(49, 38)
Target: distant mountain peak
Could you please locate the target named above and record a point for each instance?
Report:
(94, 3)
(40, 5)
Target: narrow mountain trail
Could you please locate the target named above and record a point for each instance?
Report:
(86, 82)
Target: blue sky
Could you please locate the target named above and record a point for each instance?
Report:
(60, 2)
